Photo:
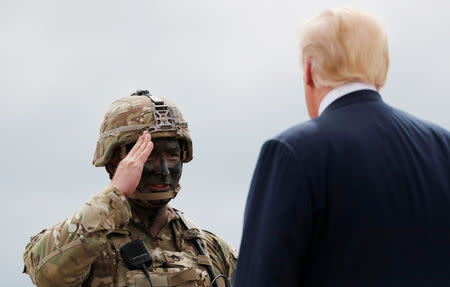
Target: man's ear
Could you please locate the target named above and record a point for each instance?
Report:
(308, 75)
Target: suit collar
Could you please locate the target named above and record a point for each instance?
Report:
(353, 98)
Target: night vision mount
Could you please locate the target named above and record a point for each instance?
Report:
(166, 118)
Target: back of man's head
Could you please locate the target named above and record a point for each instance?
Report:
(345, 45)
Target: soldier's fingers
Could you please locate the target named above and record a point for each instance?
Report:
(136, 146)
(146, 141)
(146, 152)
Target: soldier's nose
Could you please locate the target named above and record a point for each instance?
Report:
(163, 169)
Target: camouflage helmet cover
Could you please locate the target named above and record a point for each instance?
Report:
(127, 118)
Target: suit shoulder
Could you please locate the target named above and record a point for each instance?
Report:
(306, 134)
(425, 127)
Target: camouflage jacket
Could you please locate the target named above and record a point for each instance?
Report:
(84, 250)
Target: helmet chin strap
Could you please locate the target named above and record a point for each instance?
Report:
(149, 199)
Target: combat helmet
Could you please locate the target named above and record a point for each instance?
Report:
(127, 118)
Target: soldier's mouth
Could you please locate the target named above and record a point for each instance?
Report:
(159, 187)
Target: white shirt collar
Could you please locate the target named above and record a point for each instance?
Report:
(341, 91)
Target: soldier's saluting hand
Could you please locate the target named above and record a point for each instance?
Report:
(129, 170)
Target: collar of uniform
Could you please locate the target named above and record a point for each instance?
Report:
(341, 91)
(170, 211)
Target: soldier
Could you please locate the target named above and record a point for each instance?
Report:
(143, 143)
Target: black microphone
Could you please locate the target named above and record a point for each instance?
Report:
(136, 256)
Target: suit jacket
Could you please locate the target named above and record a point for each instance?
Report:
(359, 196)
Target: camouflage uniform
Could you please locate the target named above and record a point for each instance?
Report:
(84, 250)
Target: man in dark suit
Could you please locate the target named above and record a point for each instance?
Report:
(360, 194)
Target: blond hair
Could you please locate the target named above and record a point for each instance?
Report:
(345, 45)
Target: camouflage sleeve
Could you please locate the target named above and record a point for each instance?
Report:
(63, 254)
(223, 255)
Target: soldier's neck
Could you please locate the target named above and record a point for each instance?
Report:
(154, 219)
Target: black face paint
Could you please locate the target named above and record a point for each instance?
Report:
(163, 168)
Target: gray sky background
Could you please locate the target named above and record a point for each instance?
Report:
(232, 67)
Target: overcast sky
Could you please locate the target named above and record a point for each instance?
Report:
(231, 66)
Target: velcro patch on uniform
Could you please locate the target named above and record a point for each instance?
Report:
(177, 259)
(204, 260)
